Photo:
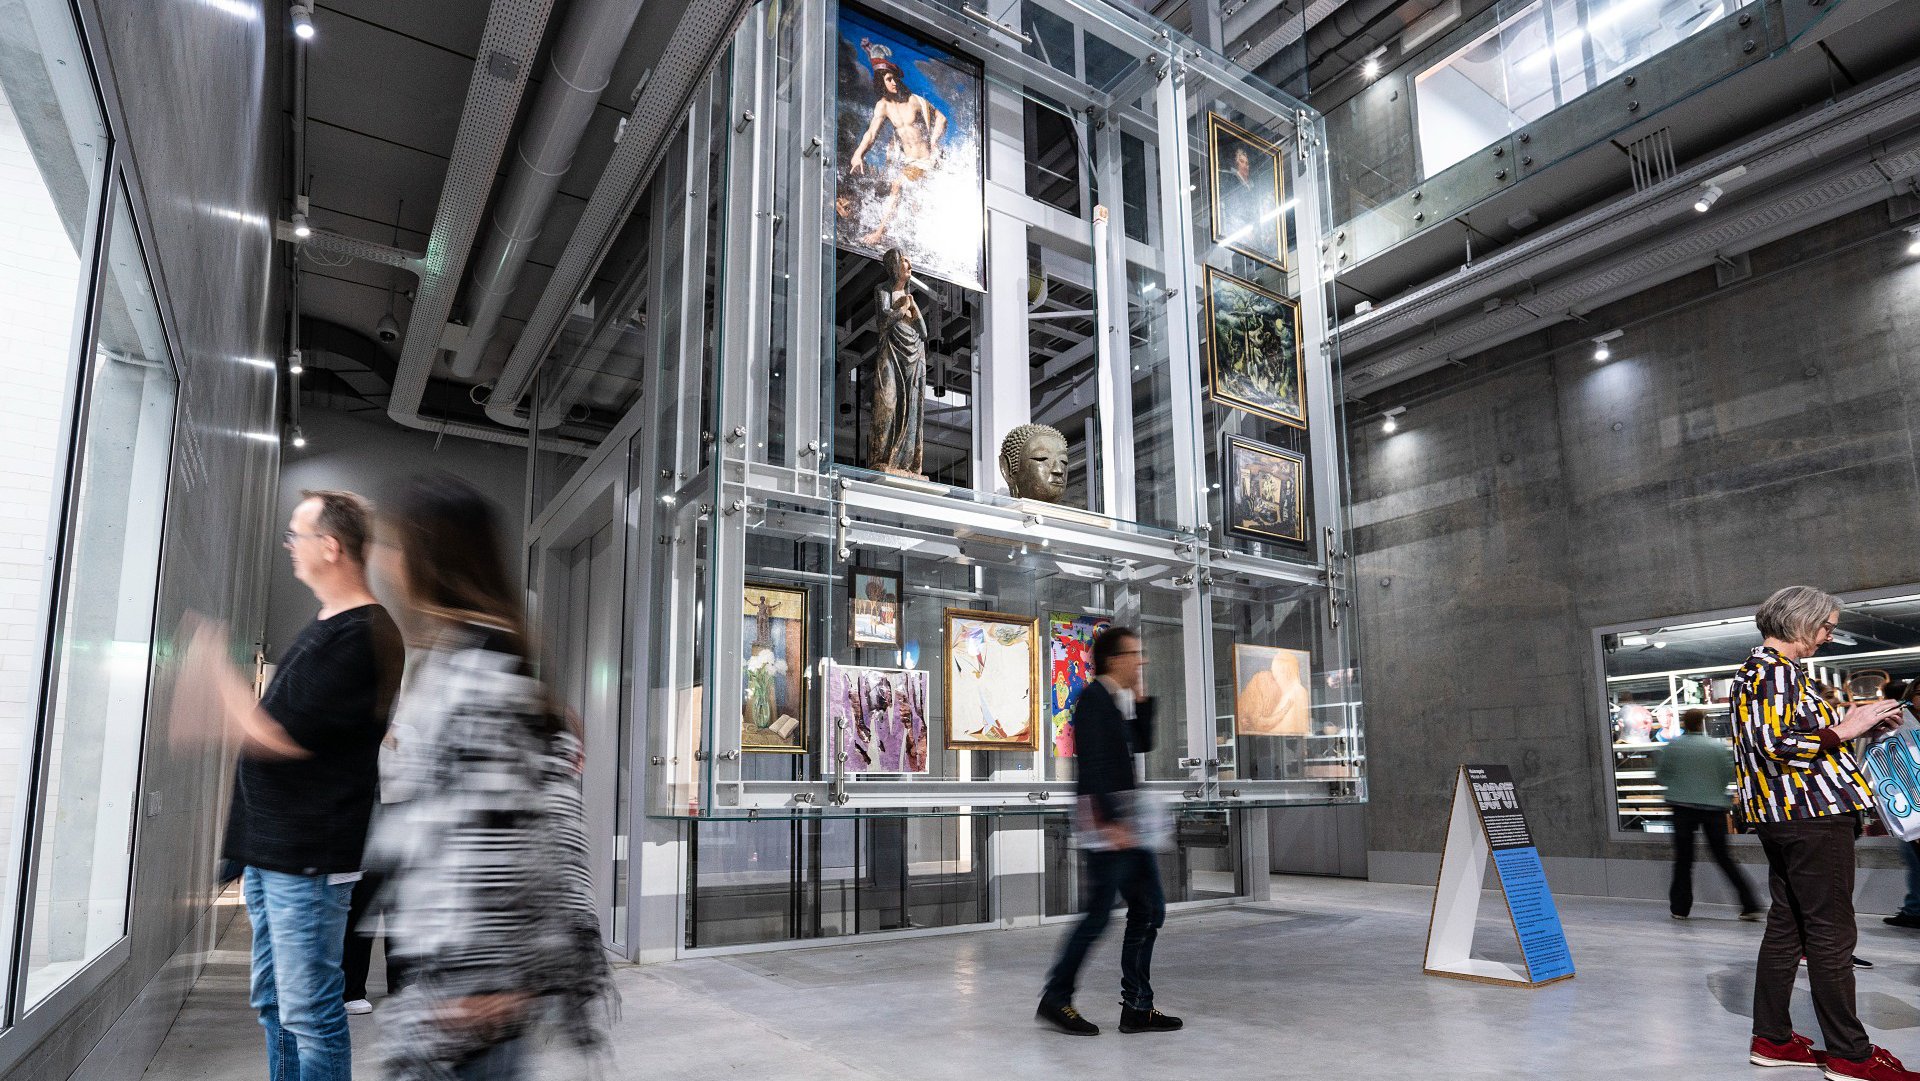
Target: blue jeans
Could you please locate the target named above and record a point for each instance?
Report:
(1910, 855)
(1133, 874)
(299, 925)
(501, 1062)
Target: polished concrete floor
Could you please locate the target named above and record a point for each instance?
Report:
(1322, 981)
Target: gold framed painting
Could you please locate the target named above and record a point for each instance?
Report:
(992, 681)
(1265, 492)
(1271, 693)
(1248, 189)
(773, 650)
(1253, 350)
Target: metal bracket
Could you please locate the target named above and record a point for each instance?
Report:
(728, 756)
(843, 536)
(803, 798)
(746, 118)
(1189, 763)
(1037, 797)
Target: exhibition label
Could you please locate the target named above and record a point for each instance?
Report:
(1487, 821)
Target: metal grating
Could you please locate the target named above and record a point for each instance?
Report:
(697, 43)
(505, 57)
(1650, 160)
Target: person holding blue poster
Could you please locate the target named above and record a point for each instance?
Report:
(1801, 788)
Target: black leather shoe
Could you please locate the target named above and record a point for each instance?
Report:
(1066, 1019)
(1901, 919)
(1132, 1020)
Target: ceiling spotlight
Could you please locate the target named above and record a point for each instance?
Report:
(301, 227)
(1371, 69)
(295, 365)
(1913, 236)
(1601, 351)
(1392, 424)
(1659, 643)
(303, 21)
(1708, 198)
(299, 437)
(1713, 187)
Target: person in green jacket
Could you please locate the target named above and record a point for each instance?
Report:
(1697, 770)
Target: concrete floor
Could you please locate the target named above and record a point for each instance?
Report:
(1322, 981)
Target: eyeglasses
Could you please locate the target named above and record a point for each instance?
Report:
(287, 538)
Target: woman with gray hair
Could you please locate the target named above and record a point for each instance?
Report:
(1804, 794)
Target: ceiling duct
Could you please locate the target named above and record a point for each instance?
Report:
(582, 60)
(507, 48)
(698, 41)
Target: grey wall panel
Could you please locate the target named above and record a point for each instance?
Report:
(194, 91)
(364, 453)
(1741, 439)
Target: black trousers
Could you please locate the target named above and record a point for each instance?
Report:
(1713, 824)
(1810, 865)
(357, 957)
(1134, 875)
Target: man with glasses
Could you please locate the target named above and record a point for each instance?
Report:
(1112, 722)
(1802, 790)
(304, 783)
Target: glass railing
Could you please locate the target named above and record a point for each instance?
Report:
(1520, 87)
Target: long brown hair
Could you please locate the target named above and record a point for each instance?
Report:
(451, 548)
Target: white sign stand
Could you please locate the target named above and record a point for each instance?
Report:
(1456, 901)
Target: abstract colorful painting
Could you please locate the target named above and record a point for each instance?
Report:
(1070, 644)
(773, 701)
(993, 676)
(881, 715)
(908, 146)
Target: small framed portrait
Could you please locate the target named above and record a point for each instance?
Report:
(876, 608)
(993, 681)
(1249, 192)
(1253, 350)
(1265, 492)
(773, 648)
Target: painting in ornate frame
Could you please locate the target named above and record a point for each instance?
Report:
(1247, 189)
(1265, 492)
(773, 650)
(1253, 350)
(992, 681)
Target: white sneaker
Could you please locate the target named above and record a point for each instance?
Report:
(359, 1006)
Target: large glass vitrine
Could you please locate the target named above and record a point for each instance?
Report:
(847, 606)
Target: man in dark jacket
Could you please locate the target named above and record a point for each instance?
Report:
(1112, 722)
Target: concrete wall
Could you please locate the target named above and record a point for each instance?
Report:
(1741, 439)
(195, 124)
(365, 453)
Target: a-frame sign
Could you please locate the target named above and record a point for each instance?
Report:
(1487, 822)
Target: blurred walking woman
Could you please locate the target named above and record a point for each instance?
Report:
(489, 891)
(1800, 787)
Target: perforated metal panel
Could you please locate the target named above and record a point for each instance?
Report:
(696, 44)
(505, 57)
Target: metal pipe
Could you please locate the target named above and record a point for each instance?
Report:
(578, 69)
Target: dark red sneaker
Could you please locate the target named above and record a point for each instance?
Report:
(1879, 1066)
(1798, 1051)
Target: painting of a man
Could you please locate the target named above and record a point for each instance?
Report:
(909, 146)
(1247, 213)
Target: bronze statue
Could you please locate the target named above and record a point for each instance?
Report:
(895, 441)
(1033, 458)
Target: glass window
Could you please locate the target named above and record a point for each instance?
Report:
(53, 147)
(105, 642)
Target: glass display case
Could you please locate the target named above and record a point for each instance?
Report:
(963, 341)
(1653, 671)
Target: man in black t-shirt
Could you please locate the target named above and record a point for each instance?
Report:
(304, 783)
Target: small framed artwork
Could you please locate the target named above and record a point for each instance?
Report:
(1271, 694)
(876, 608)
(1265, 492)
(1249, 190)
(773, 645)
(881, 715)
(1253, 350)
(1070, 669)
(993, 678)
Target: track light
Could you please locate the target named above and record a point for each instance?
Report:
(1713, 187)
(295, 364)
(1602, 352)
(303, 21)
(299, 437)
(1392, 423)
(1707, 198)
(1371, 69)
